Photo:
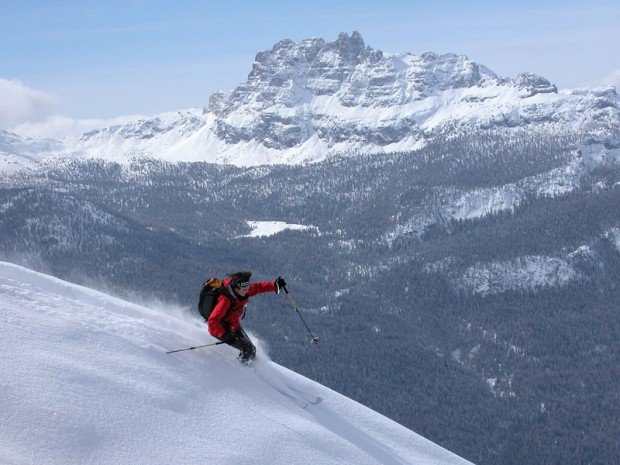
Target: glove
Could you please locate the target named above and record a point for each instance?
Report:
(280, 284)
(229, 338)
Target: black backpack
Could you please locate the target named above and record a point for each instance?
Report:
(211, 290)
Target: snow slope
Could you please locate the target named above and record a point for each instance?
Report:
(85, 379)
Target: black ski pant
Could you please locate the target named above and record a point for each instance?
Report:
(244, 344)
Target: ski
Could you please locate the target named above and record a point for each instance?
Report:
(311, 398)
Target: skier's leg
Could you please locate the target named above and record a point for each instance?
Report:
(238, 343)
(244, 344)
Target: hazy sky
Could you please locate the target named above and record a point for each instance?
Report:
(87, 59)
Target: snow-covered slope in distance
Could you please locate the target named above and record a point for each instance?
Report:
(85, 379)
(312, 100)
(18, 153)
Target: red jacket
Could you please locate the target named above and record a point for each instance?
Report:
(224, 319)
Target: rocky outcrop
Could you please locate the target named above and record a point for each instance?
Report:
(531, 84)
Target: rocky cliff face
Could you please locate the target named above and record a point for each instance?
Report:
(335, 92)
(292, 74)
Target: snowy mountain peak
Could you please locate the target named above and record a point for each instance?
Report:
(96, 386)
(293, 74)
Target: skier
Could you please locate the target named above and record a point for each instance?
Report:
(224, 322)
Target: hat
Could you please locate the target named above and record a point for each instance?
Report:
(241, 279)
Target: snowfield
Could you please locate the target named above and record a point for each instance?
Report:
(270, 228)
(85, 379)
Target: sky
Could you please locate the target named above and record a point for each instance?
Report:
(68, 65)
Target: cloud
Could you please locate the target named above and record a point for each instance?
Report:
(59, 127)
(20, 104)
(30, 112)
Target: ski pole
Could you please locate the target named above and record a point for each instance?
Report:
(197, 347)
(315, 339)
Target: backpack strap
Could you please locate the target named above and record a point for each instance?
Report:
(214, 288)
(233, 301)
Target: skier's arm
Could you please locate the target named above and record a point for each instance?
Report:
(215, 319)
(262, 287)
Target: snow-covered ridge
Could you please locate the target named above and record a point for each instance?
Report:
(18, 153)
(311, 100)
(85, 379)
(459, 204)
(528, 273)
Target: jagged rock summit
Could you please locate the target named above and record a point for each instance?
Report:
(296, 91)
(293, 74)
(311, 100)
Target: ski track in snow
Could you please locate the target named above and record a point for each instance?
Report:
(85, 379)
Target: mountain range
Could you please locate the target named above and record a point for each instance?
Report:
(313, 100)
